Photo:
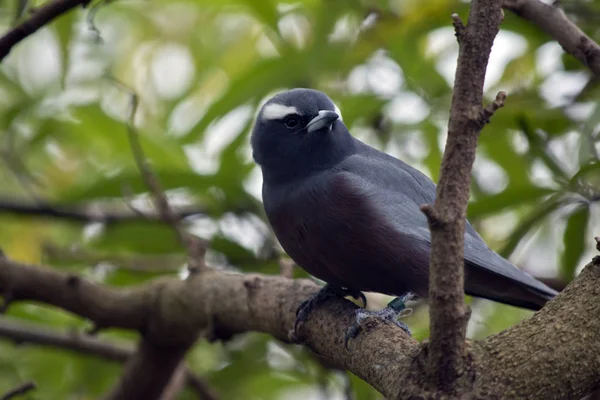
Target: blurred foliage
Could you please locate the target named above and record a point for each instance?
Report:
(201, 68)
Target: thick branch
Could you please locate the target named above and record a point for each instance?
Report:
(24, 333)
(40, 17)
(448, 316)
(148, 371)
(88, 213)
(555, 23)
(550, 355)
(170, 312)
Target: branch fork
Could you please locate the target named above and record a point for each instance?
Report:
(447, 357)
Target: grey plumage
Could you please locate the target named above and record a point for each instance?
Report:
(349, 214)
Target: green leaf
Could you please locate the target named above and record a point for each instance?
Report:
(589, 174)
(265, 76)
(529, 222)
(433, 159)
(587, 147)
(574, 241)
(243, 258)
(497, 145)
(138, 237)
(122, 277)
(359, 106)
(524, 108)
(511, 197)
(131, 179)
(266, 11)
(20, 10)
(538, 148)
(236, 254)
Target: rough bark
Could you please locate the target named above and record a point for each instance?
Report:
(552, 20)
(553, 355)
(40, 17)
(447, 358)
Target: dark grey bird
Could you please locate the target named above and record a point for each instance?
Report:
(349, 214)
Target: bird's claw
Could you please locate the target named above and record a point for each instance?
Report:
(326, 292)
(308, 305)
(391, 313)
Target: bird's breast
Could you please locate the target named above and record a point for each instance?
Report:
(333, 234)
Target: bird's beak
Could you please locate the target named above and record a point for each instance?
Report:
(325, 119)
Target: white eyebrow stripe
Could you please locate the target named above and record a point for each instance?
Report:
(338, 111)
(278, 111)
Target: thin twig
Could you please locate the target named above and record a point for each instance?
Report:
(22, 333)
(104, 213)
(491, 108)
(195, 246)
(459, 26)
(17, 168)
(19, 390)
(40, 17)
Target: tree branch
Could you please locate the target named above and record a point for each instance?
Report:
(554, 22)
(447, 357)
(22, 333)
(19, 390)
(196, 247)
(150, 370)
(87, 213)
(40, 17)
(171, 313)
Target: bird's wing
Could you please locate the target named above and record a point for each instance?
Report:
(398, 176)
(396, 191)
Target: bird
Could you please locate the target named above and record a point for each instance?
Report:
(350, 215)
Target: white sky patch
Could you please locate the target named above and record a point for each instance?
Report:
(253, 183)
(379, 75)
(295, 29)
(442, 45)
(548, 58)
(24, 63)
(559, 88)
(205, 156)
(278, 111)
(172, 70)
(491, 177)
(407, 107)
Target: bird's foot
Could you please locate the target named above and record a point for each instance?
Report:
(395, 309)
(318, 298)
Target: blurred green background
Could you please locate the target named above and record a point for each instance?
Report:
(200, 69)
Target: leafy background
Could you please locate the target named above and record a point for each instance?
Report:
(200, 69)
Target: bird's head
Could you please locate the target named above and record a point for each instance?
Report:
(298, 132)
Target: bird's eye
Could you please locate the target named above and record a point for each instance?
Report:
(291, 121)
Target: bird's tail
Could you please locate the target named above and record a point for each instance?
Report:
(523, 291)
